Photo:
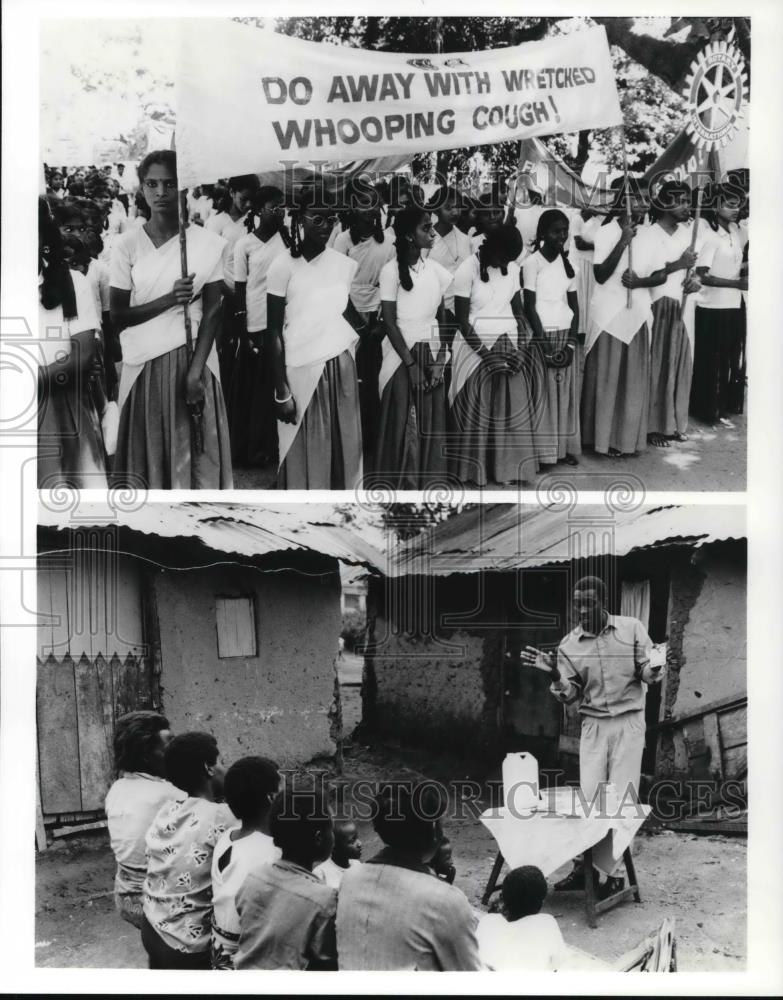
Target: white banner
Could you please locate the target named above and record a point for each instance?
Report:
(251, 100)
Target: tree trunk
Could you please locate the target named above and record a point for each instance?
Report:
(671, 61)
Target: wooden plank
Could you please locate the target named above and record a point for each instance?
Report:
(40, 829)
(236, 630)
(713, 745)
(96, 729)
(67, 831)
(126, 615)
(735, 763)
(61, 624)
(58, 740)
(45, 625)
(734, 727)
(722, 704)
(131, 684)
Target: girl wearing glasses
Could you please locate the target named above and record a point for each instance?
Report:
(412, 425)
(313, 329)
(159, 387)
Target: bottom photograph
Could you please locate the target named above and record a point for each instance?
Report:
(392, 736)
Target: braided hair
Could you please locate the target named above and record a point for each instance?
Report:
(545, 222)
(265, 194)
(57, 285)
(503, 243)
(353, 219)
(304, 200)
(406, 222)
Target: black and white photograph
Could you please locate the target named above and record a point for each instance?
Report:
(403, 252)
(390, 549)
(562, 690)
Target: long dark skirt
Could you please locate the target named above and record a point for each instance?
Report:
(327, 451)
(70, 441)
(671, 370)
(154, 445)
(369, 355)
(556, 423)
(250, 403)
(718, 388)
(492, 438)
(410, 450)
(615, 394)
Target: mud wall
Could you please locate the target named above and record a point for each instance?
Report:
(280, 702)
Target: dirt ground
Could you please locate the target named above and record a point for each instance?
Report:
(700, 881)
(712, 459)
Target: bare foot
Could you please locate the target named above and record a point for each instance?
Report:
(679, 437)
(571, 460)
(657, 441)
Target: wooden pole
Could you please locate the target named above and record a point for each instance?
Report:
(696, 217)
(196, 412)
(629, 292)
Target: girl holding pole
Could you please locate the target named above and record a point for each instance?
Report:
(552, 309)
(491, 389)
(313, 331)
(160, 386)
(671, 361)
(616, 387)
(412, 424)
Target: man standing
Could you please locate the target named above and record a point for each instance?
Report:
(604, 666)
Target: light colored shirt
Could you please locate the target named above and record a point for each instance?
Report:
(530, 944)
(231, 231)
(252, 259)
(316, 296)
(586, 229)
(605, 673)
(450, 251)
(178, 887)
(395, 918)
(490, 313)
(667, 248)
(232, 862)
(609, 306)
(132, 803)
(721, 254)
(416, 309)
(55, 331)
(551, 284)
(286, 918)
(370, 257)
(332, 873)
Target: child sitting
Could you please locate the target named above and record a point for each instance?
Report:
(286, 913)
(346, 853)
(250, 785)
(520, 936)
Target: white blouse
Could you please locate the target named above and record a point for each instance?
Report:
(609, 306)
(491, 314)
(417, 308)
(55, 331)
(450, 251)
(722, 254)
(252, 259)
(548, 279)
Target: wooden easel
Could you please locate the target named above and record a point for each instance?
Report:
(593, 906)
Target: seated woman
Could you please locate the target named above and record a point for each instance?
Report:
(176, 928)
(70, 442)
(133, 801)
(162, 386)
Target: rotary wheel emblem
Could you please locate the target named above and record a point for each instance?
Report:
(716, 91)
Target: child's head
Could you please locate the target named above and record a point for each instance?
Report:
(524, 891)
(552, 229)
(409, 820)
(301, 825)
(249, 787)
(347, 846)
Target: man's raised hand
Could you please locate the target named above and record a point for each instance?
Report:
(533, 657)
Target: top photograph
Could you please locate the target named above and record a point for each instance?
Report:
(393, 253)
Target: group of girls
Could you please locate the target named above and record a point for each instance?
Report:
(425, 347)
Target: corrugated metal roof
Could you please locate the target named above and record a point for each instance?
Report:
(240, 529)
(504, 537)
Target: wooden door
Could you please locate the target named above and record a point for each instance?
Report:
(92, 668)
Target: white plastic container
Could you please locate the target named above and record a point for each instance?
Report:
(520, 783)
